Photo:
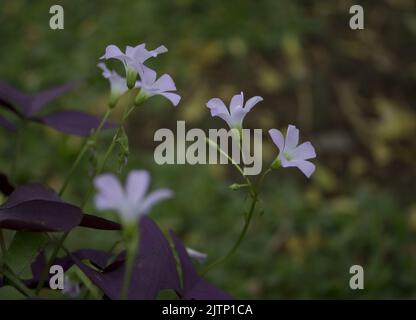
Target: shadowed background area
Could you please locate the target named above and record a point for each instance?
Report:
(352, 93)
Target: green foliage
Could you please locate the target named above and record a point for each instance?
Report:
(352, 93)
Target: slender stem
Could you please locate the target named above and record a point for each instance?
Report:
(254, 195)
(75, 165)
(128, 271)
(107, 154)
(239, 239)
(14, 280)
(3, 248)
(2, 244)
(62, 239)
(84, 149)
(265, 173)
(52, 258)
(17, 146)
(101, 166)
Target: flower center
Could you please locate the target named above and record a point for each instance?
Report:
(287, 155)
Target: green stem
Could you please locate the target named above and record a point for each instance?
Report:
(84, 149)
(239, 239)
(14, 280)
(128, 271)
(107, 154)
(2, 244)
(18, 143)
(52, 258)
(75, 165)
(62, 239)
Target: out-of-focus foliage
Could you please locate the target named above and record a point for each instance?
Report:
(351, 92)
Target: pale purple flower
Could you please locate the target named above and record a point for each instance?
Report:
(196, 255)
(133, 57)
(291, 154)
(71, 288)
(118, 84)
(151, 86)
(131, 202)
(238, 110)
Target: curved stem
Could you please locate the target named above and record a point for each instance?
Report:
(14, 280)
(75, 165)
(239, 239)
(62, 239)
(84, 149)
(2, 243)
(18, 143)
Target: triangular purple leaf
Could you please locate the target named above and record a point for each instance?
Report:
(195, 287)
(73, 122)
(28, 104)
(94, 222)
(36, 208)
(154, 268)
(42, 98)
(13, 99)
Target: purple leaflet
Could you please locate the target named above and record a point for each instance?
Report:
(96, 257)
(33, 207)
(28, 106)
(73, 122)
(195, 287)
(94, 222)
(154, 268)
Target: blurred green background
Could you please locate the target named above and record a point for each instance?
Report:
(352, 93)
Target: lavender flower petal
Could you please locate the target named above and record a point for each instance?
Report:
(195, 287)
(277, 138)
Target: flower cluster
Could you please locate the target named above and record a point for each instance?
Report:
(133, 60)
(290, 154)
(147, 263)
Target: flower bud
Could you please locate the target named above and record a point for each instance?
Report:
(140, 98)
(131, 76)
(113, 100)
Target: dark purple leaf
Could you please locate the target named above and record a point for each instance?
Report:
(154, 268)
(195, 287)
(40, 99)
(36, 208)
(39, 192)
(13, 99)
(96, 257)
(73, 122)
(28, 104)
(7, 124)
(94, 222)
(5, 186)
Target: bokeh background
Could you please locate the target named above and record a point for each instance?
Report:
(352, 93)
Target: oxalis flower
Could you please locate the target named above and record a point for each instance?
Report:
(238, 110)
(151, 86)
(291, 154)
(133, 58)
(131, 202)
(118, 84)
